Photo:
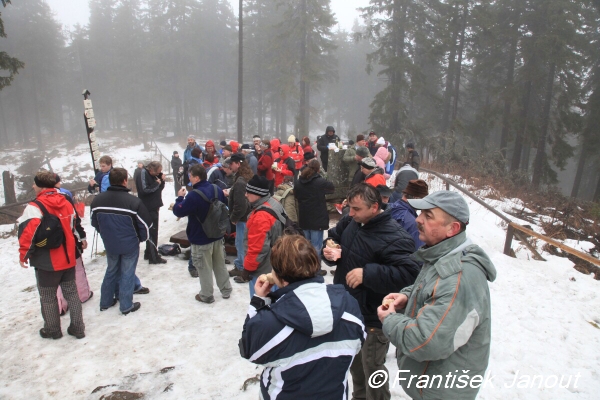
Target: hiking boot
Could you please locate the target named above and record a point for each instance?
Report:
(226, 296)
(49, 335)
(136, 306)
(146, 256)
(235, 272)
(211, 299)
(194, 273)
(113, 303)
(239, 279)
(321, 272)
(77, 335)
(142, 290)
(159, 260)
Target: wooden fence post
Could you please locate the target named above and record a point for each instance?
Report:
(9, 187)
(508, 243)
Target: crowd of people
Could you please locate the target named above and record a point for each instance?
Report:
(413, 280)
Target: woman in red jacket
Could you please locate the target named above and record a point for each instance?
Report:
(285, 166)
(53, 266)
(265, 165)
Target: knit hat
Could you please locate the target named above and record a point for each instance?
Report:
(237, 158)
(452, 203)
(360, 137)
(246, 146)
(309, 155)
(258, 185)
(417, 188)
(372, 133)
(381, 141)
(223, 143)
(362, 152)
(368, 163)
(226, 163)
(291, 139)
(384, 190)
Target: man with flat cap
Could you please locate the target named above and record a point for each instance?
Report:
(442, 323)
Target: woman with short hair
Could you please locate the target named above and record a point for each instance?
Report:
(306, 333)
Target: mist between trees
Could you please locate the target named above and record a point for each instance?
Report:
(513, 81)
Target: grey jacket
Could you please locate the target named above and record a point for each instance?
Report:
(446, 326)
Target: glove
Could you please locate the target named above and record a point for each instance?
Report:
(246, 275)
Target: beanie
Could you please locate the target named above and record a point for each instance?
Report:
(258, 185)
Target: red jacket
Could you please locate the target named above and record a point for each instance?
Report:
(57, 259)
(262, 229)
(375, 179)
(265, 163)
(297, 155)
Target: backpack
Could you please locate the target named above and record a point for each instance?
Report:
(217, 218)
(50, 233)
(169, 249)
(289, 227)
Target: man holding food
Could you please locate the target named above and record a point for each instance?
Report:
(372, 257)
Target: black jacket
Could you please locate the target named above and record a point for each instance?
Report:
(358, 177)
(323, 147)
(121, 219)
(382, 248)
(149, 190)
(312, 208)
(176, 163)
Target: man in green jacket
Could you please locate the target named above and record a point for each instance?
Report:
(441, 325)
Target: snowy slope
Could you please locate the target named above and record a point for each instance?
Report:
(540, 325)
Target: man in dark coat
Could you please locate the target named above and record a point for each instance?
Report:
(374, 256)
(150, 184)
(323, 144)
(176, 164)
(412, 157)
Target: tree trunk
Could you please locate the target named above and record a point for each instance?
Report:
(516, 157)
(214, 112)
(240, 135)
(259, 107)
(539, 163)
(283, 120)
(580, 166)
(4, 135)
(302, 127)
(449, 83)
(461, 47)
(597, 192)
(21, 125)
(36, 112)
(399, 18)
(508, 94)
(9, 187)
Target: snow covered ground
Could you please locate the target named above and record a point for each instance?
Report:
(178, 348)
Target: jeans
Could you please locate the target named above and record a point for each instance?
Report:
(240, 230)
(120, 280)
(316, 239)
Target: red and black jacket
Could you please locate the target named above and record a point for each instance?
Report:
(62, 257)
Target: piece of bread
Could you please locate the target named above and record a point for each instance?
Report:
(387, 303)
(331, 244)
(267, 277)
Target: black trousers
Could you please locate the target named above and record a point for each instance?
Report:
(152, 243)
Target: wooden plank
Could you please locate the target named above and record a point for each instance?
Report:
(558, 244)
(180, 238)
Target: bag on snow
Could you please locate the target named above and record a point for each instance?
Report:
(169, 249)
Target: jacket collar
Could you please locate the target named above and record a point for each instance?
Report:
(292, 286)
(259, 202)
(118, 188)
(434, 253)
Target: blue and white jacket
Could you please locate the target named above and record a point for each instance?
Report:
(306, 336)
(121, 219)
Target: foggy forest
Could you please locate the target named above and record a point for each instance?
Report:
(511, 86)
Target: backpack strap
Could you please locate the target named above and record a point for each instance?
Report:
(274, 213)
(41, 206)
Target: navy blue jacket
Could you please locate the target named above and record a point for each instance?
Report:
(304, 357)
(121, 219)
(194, 207)
(406, 216)
(382, 248)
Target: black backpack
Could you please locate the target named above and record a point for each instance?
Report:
(289, 227)
(169, 249)
(50, 233)
(217, 218)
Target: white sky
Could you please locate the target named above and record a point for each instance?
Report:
(70, 12)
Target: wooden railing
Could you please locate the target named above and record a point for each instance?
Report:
(515, 229)
(154, 146)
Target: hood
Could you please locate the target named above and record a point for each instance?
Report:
(377, 170)
(449, 248)
(234, 146)
(286, 151)
(330, 128)
(382, 153)
(275, 143)
(408, 168)
(209, 144)
(306, 180)
(310, 306)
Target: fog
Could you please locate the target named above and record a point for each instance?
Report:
(471, 83)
